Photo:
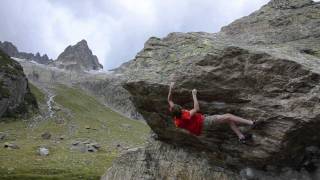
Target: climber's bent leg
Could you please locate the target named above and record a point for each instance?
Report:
(236, 130)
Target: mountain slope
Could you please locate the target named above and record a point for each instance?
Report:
(77, 117)
(13, 51)
(15, 96)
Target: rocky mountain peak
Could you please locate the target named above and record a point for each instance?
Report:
(83, 42)
(11, 50)
(78, 57)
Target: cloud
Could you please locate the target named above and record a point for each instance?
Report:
(115, 29)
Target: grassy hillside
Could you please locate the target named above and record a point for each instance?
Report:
(78, 116)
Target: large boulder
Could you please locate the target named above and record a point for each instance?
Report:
(15, 96)
(253, 68)
(164, 161)
(160, 160)
(78, 58)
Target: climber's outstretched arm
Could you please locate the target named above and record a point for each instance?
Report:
(196, 107)
(170, 96)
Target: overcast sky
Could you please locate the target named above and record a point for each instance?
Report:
(115, 29)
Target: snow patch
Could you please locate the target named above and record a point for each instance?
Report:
(100, 71)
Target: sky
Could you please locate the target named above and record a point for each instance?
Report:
(114, 29)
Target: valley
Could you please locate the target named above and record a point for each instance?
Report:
(75, 116)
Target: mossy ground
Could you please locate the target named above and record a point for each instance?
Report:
(40, 96)
(106, 127)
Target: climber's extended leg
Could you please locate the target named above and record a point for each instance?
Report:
(232, 120)
(228, 118)
(236, 130)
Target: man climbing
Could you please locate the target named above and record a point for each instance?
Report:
(195, 122)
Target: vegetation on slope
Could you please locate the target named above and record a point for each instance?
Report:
(78, 116)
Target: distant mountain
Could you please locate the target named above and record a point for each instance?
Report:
(13, 51)
(78, 58)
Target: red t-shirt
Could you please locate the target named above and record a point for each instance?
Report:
(191, 123)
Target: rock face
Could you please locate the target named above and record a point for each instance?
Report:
(169, 163)
(12, 51)
(78, 58)
(278, 22)
(9, 48)
(158, 160)
(263, 66)
(15, 96)
(111, 93)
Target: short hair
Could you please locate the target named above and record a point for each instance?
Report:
(176, 111)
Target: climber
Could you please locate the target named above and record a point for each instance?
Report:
(196, 123)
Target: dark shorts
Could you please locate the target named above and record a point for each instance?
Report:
(209, 122)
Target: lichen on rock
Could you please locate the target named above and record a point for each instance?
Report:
(256, 68)
(15, 98)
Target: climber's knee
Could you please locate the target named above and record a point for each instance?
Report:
(226, 117)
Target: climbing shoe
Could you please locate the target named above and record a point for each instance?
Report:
(245, 139)
(256, 123)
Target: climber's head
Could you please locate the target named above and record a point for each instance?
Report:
(176, 111)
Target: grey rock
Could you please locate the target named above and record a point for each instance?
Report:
(248, 91)
(9, 48)
(80, 147)
(289, 4)
(96, 145)
(248, 173)
(86, 141)
(78, 58)
(10, 145)
(90, 148)
(263, 66)
(245, 70)
(14, 146)
(13, 51)
(15, 96)
(46, 135)
(254, 174)
(164, 161)
(42, 151)
(85, 146)
(75, 143)
(62, 137)
(279, 21)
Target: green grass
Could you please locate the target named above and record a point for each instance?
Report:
(63, 163)
(40, 96)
